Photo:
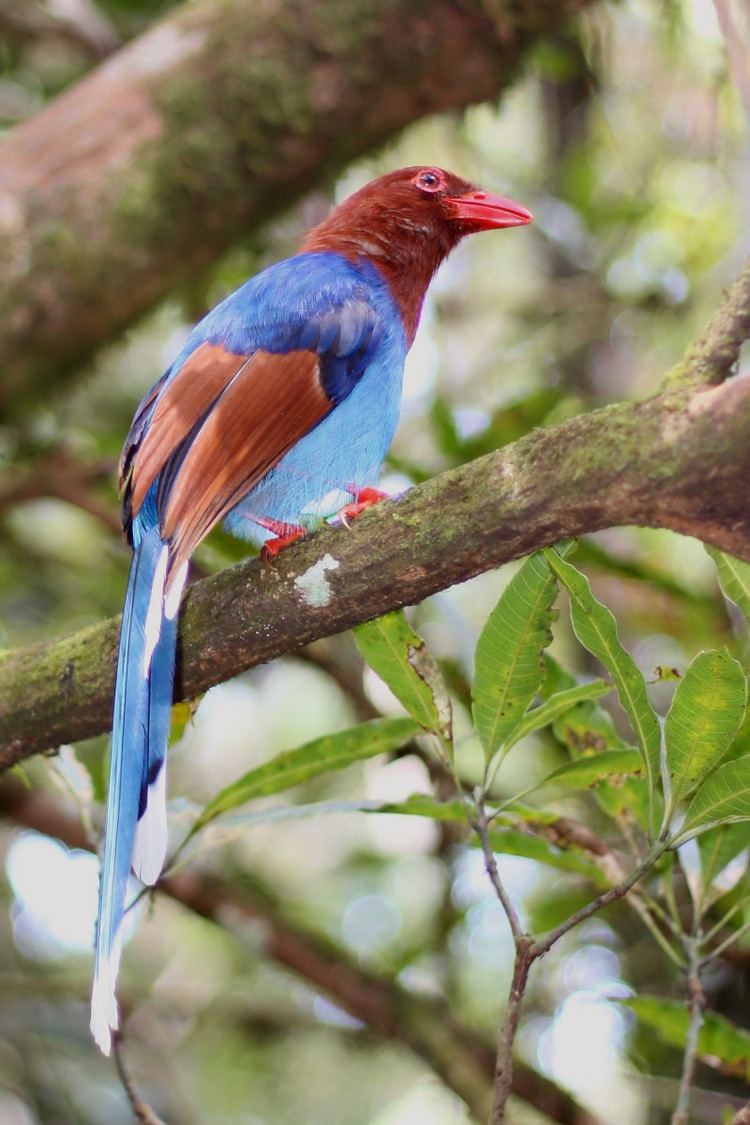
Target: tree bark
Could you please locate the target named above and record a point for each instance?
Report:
(679, 460)
(215, 119)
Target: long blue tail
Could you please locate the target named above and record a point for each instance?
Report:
(136, 825)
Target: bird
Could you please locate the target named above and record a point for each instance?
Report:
(277, 413)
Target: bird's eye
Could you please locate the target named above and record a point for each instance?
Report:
(429, 181)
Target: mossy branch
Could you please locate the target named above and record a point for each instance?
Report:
(213, 121)
(680, 460)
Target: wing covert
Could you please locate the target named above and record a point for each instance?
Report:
(214, 427)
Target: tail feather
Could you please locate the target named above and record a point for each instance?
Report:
(150, 845)
(136, 803)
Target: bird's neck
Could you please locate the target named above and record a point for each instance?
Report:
(405, 254)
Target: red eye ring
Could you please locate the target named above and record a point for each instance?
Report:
(429, 180)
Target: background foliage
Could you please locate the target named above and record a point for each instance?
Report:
(626, 138)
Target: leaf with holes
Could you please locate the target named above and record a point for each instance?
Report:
(588, 729)
(588, 771)
(401, 659)
(555, 707)
(706, 713)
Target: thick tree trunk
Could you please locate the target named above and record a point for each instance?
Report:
(215, 119)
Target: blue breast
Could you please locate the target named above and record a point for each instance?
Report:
(348, 446)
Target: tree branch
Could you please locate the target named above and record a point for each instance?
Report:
(696, 1014)
(141, 1111)
(214, 120)
(61, 475)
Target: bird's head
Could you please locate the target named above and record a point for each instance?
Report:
(421, 202)
(439, 202)
(407, 222)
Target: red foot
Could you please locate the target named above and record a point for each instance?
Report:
(285, 533)
(363, 498)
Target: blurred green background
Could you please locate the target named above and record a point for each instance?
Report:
(626, 138)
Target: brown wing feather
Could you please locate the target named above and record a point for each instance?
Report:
(269, 406)
(184, 401)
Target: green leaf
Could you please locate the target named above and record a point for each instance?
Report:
(401, 659)
(515, 815)
(331, 752)
(509, 667)
(590, 770)
(706, 713)
(215, 833)
(719, 846)
(596, 629)
(663, 674)
(588, 728)
(555, 706)
(182, 714)
(513, 841)
(556, 678)
(422, 804)
(721, 1044)
(516, 830)
(232, 823)
(734, 579)
(724, 798)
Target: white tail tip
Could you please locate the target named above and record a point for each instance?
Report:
(104, 1015)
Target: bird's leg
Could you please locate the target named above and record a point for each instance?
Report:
(284, 534)
(363, 498)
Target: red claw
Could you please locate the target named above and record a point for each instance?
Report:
(363, 498)
(285, 534)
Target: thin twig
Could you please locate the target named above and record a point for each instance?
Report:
(736, 51)
(60, 475)
(696, 1008)
(142, 1111)
(669, 896)
(741, 890)
(730, 940)
(643, 906)
(528, 950)
(504, 1059)
(480, 827)
(522, 963)
(612, 895)
(657, 910)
